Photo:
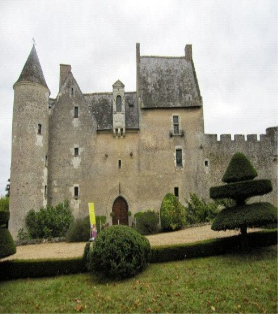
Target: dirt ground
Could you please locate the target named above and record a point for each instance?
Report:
(65, 250)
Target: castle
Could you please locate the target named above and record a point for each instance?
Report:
(121, 150)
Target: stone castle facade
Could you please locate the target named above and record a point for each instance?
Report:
(121, 150)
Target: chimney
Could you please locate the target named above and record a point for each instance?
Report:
(65, 69)
(188, 52)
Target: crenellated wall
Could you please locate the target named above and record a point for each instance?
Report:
(261, 150)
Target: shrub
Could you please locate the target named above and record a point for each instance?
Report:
(79, 230)
(198, 211)
(4, 203)
(119, 252)
(49, 221)
(100, 221)
(172, 213)
(7, 246)
(147, 223)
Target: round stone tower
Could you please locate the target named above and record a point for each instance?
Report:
(28, 185)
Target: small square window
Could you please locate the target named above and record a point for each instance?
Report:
(76, 113)
(76, 151)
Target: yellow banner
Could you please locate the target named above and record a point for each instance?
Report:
(92, 213)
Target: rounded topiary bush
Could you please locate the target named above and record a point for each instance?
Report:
(79, 230)
(172, 213)
(119, 252)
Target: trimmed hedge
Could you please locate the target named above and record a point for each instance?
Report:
(161, 254)
(241, 190)
(7, 245)
(252, 215)
(16, 269)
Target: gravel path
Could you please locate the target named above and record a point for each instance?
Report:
(65, 250)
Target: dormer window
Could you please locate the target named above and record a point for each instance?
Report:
(119, 103)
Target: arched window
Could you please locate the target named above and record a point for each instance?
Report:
(119, 103)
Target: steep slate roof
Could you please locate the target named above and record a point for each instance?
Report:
(101, 105)
(168, 82)
(32, 71)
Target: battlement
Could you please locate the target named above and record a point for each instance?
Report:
(269, 136)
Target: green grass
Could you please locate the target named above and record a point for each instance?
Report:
(237, 283)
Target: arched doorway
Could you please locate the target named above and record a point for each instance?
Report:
(120, 211)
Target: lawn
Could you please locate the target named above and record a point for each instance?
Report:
(237, 283)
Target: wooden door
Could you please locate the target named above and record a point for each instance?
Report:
(120, 211)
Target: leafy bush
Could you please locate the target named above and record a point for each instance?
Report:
(198, 211)
(79, 230)
(7, 245)
(118, 252)
(4, 204)
(49, 221)
(147, 223)
(172, 213)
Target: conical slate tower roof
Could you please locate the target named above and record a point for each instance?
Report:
(32, 71)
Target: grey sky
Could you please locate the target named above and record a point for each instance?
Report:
(234, 52)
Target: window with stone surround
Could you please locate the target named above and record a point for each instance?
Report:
(119, 103)
(76, 151)
(176, 125)
(179, 157)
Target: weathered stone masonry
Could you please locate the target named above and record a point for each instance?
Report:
(121, 150)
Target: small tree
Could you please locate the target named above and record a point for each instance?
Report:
(172, 213)
(240, 186)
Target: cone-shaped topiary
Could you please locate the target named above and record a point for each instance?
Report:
(7, 245)
(239, 176)
(172, 213)
(239, 169)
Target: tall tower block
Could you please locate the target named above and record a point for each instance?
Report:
(29, 143)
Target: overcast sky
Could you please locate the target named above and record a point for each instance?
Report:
(234, 52)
